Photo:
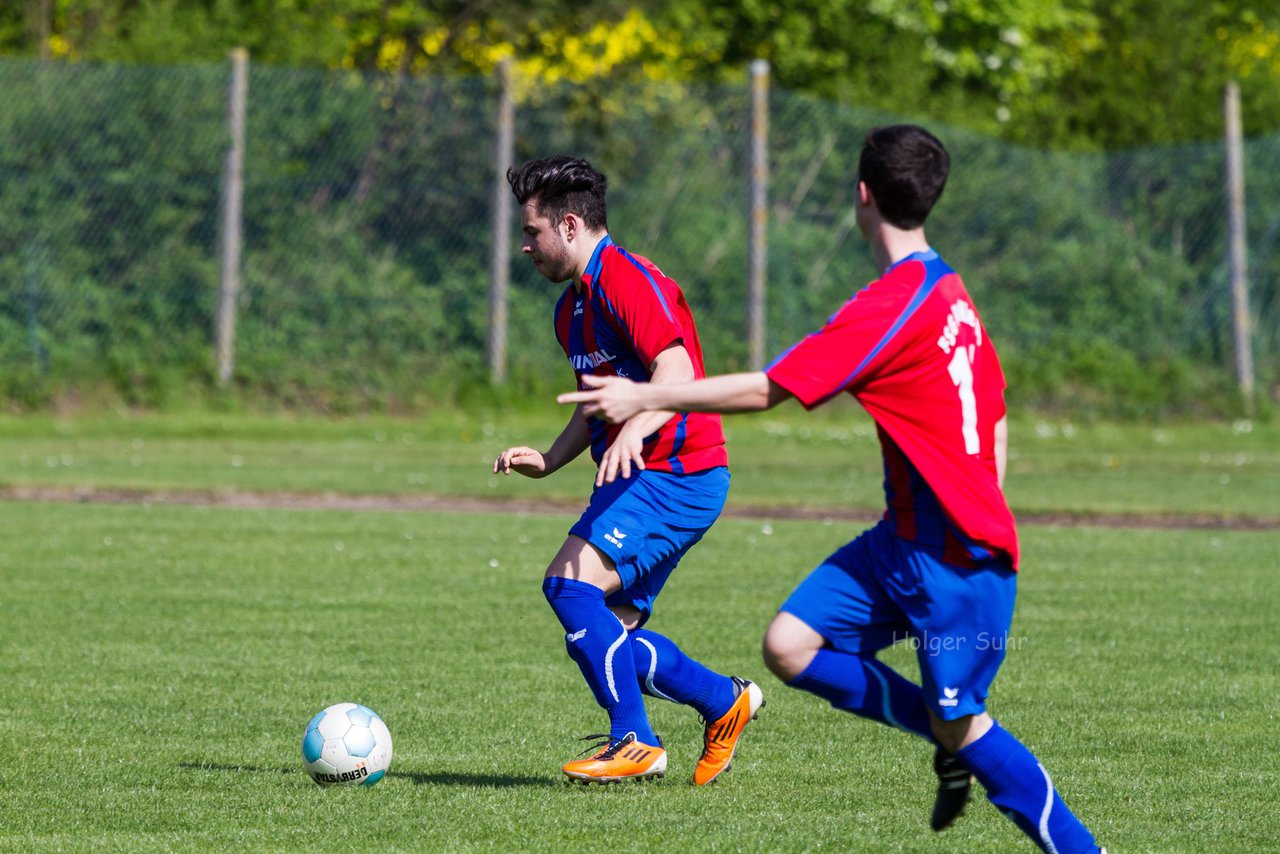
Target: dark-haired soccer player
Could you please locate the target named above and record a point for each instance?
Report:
(941, 567)
(621, 316)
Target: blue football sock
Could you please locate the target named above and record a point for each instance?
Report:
(664, 671)
(868, 688)
(597, 641)
(1020, 788)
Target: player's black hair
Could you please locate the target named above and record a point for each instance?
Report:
(561, 184)
(906, 168)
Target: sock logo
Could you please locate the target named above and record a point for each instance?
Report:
(949, 696)
(576, 636)
(616, 537)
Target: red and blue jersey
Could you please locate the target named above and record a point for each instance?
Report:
(912, 350)
(624, 313)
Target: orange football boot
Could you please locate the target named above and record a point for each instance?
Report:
(721, 737)
(622, 759)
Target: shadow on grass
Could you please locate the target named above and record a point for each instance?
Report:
(440, 778)
(480, 781)
(236, 769)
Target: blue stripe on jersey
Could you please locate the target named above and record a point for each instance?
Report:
(577, 343)
(626, 362)
(677, 442)
(594, 265)
(787, 351)
(656, 290)
(933, 272)
(599, 434)
(930, 521)
(782, 355)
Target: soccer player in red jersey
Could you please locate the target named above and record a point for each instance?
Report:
(621, 316)
(940, 569)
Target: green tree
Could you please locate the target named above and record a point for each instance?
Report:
(1154, 71)
(1050, 73)
(962, 61)
(15, 34)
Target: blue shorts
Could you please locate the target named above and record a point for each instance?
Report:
(881, 589)
(645, 524)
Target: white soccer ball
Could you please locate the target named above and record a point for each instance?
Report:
(347, 745)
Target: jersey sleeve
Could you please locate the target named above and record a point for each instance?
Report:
(839, 356)
(646, 308)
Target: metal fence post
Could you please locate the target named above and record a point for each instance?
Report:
(230, 227)
(1241, 325)
(499, 258)
(757, 257)
(43, 28)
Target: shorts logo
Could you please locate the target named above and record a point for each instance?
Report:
(949, 696)
(616, 537)
(576, 636)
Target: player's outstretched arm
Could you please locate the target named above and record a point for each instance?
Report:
(615, 399)
(672, 365)
(572, 441)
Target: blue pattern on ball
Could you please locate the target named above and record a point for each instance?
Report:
(312, 742)
(339, 745)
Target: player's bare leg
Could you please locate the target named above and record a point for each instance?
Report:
(791, 646)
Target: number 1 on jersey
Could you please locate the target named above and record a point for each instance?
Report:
(961, 371)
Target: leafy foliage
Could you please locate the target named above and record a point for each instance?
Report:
(367, 208)
(1079, 74)
(1153, 71)
(1052, 73)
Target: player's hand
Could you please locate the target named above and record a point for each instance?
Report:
(613, 399)
(522, 460)
(626, 453)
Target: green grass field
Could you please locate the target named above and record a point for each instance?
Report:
(163, 661)
(827, 459)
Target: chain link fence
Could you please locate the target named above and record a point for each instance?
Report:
(367, 207)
